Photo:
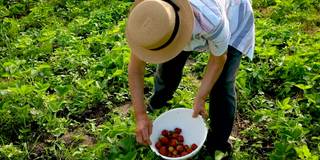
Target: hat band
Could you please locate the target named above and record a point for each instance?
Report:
(176, 25)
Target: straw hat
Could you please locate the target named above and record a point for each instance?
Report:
(158, 30)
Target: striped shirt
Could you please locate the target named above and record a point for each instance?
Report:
(219, 23)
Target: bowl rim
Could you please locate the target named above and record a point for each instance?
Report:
(193, 152)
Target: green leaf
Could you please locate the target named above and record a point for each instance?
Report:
(4, 11)
(315, 78)
(303, 87)
(10, 150)
(128, 143)
(41, 87)
(117, 73)
(53, 103)
(131, 155)
(313, 98)
(62, 89)
(303, 152)
(284, 105)
(219, 155)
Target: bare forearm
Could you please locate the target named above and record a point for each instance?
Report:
(136, 85)
(137, 95)
(212, 73)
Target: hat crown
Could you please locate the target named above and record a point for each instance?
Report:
(151, 23)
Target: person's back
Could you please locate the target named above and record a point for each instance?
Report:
(225, 22)
(241, 24)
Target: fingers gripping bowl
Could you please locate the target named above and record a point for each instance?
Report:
(194, 130)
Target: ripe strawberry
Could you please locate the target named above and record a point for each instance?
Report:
(175, 135)
(194, 146)
(170, 133)
(163, 151)
(189, 150)
(164, 140)
(158, 145)
(180, 138)
(177, 130)
(180, 148)
(173, 142)
(171, 149)
(174, 152)
(165, 133)
(184, 153)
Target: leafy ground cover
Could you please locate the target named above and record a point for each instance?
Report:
(64, 92)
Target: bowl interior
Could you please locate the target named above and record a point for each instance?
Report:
(194, 130)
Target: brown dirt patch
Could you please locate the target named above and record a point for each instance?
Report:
(78, 137)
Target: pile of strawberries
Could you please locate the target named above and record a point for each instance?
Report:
(170, 144)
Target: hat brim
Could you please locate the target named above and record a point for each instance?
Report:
(182, 38)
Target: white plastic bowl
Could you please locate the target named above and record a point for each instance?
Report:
(194, 130)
